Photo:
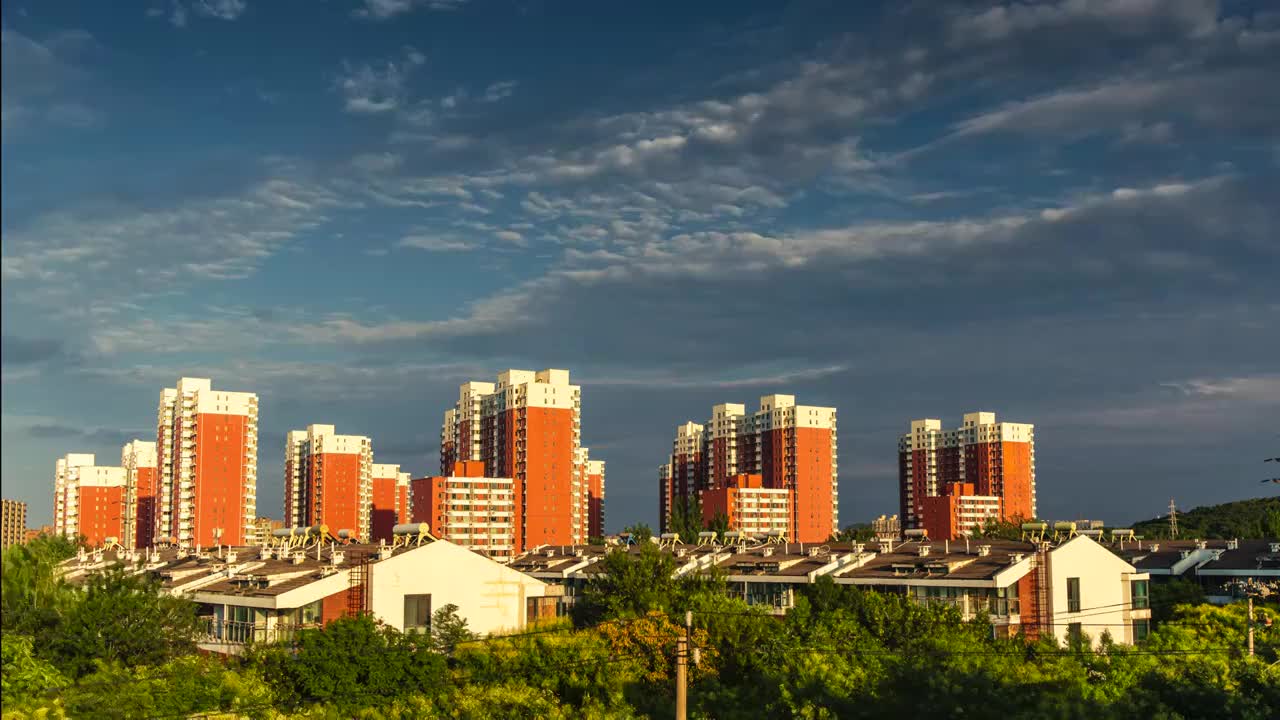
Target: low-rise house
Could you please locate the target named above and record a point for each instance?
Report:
(1227, 570)
(1075, 587)
(265, 593)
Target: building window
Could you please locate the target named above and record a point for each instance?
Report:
(1073, 595)
(1141, 629)
(1075, 633)
(417, 613)
(1141, 600)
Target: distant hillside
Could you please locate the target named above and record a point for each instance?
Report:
(1255, 518)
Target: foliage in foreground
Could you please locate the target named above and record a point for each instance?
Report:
(840, 653)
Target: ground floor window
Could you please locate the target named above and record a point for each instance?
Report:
(417, 613)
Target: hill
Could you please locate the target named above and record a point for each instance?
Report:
(1256, 518)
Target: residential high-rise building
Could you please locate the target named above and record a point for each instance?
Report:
(328, 480)
(595, 498)
(207, 464)
(749, 506)
(391, 504)
(469, 509)
(264, 526)
(90, 500)
(527, 427)
(792, 447)
(13, 523)
(984, 458)
(957, 512)
(64, 471)
(138, 458)
(666, 496)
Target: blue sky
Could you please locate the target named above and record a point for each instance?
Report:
(1065, 212)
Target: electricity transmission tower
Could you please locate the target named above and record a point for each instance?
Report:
(1173, 519)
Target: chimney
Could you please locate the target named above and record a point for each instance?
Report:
(984, 550)
(923, 551)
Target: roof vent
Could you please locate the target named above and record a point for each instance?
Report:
(923, 551)
(579, 552)
(1201, 544)
(681, 552)
(231, 556)
(767, 552)
(857, 548)
(1155, 547)
(550, 552)
(815, 551)
(1233, 544)
(1015, 558)
(384, 552)
(1185, 554)
(1275, 547)
(297, 558)
(984, 550)
(337, 556)
(1217, 553)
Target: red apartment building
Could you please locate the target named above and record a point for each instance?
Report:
(390, 500)
(750, 507)
(328, 480)
(527, 427)
(792, 447)
(138, 458)
(468, 508)
(89, 500)
(207, 464)
(981, 459)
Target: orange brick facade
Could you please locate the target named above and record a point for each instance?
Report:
(219, 479)
(147, 506)
(790, 447)
(390, 506)
(102, 511)
(990, 459)
(595, 504)
(526, 427)
(333, 491)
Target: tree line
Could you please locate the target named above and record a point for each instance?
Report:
(118, 648)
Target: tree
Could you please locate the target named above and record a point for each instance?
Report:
(120, 617)
(350, 663)
(640, 532)
(26, 679)
(32, 590)
(994, 529)
(448, 629)
(686, 518)
(719, 524)
(860, 532)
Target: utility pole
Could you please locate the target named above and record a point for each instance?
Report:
(1173, 519)
(682, 668)
(1250, 626)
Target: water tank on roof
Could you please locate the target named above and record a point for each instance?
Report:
(418, 528)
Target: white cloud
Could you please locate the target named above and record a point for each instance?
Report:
(499, 90)
(38, 75)
(436, 243)
(383, 9)
(123, 251)
(369, 88)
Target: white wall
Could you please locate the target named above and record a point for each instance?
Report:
(489, 595)
(1104, 590)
